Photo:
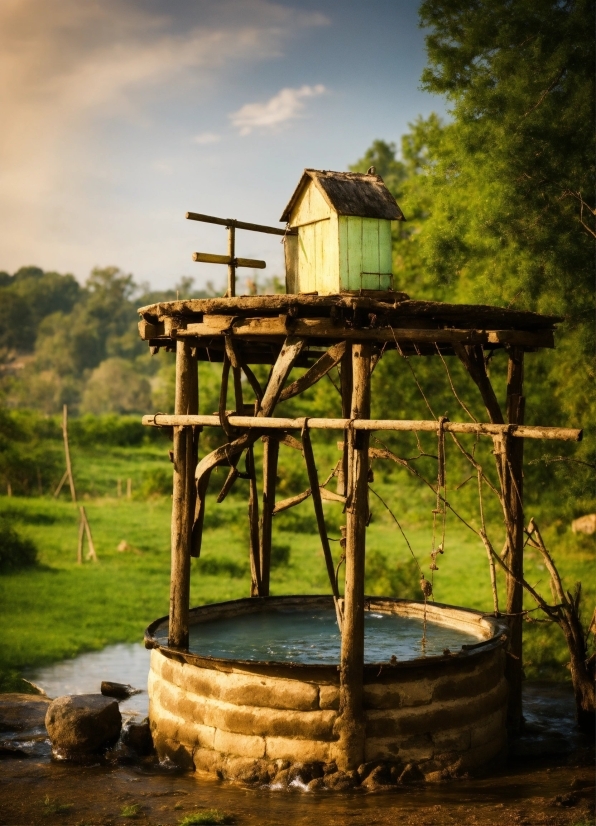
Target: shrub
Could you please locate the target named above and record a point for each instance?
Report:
(15, 551)
(390, 579)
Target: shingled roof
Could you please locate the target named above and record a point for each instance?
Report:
(349, 193)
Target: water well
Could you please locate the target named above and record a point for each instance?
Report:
(226, 706)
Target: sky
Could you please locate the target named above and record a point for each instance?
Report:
(118, 116)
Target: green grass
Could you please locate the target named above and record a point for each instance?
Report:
(132, 810)
(59, 609)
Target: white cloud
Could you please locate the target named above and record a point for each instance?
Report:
(286, 105)
(204, 138)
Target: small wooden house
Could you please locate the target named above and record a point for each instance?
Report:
(343, 242)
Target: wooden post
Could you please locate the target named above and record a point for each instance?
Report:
(351, 725)
(73, 493)
(253, 524)
(346, 406)
(514, 456)
(270, 457)
(231, 266)
(183, 496)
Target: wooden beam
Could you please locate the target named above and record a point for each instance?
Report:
(253, 524)
(345, 378)
(565, 434)
(289, 352)
(183, 495)
(231, 222)
(278, 327)
(231, 261)
(473, 360)
(351, 722)
(319, 369)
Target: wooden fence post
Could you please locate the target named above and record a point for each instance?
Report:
(514, 456)
(183, 497)
(351, 726)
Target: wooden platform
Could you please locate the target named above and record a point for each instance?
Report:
(389, 318)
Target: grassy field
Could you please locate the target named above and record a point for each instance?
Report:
(59, 609)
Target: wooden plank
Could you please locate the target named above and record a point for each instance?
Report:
(328, 328)
(319, 369)
(183, 495)
(351, 723)
(291, 349)
(230, 260)
(565, 434)
(369, 277)
(232, 263)
(232, 222)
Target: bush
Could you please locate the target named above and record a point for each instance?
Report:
(385, 578)
(157, 482)
(15, 551)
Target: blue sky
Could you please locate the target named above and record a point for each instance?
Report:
(120, 115)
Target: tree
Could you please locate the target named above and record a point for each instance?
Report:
(116, 387)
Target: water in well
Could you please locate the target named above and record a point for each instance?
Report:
(312, 637)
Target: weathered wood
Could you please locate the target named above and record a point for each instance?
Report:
(73, 493)
(222, 455)
(514, 501)
(292, 348)
(346, 406)
(231, 261)
(396, 309)
(270, 457)
(315, 491)
(319, 369)
(473, 360)
(351, 724)
(223, 397)
(238, 361)
(291, 501)
(230, 479)
(256, 589)
(183, 495)
(565, 434)
(231, 222)
(80, 542)
(247, 328)
(91, 554)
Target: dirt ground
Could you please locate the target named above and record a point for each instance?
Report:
(549, 781)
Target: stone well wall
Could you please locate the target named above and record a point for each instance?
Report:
(443, 716)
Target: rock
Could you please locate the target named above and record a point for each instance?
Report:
(121, 691)
(340, 781)
(330, 768)
(305, 772)
(410, 774)
(22, 712)
(282, 779)
(379, 778)
(585, 524)
(364, 769)
(83, 723)
(137, 736)
(315, 784)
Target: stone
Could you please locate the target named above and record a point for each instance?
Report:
(315, 784)
(330, 768)
(341, 781)
(410, 774)
(379, 777)
(137, 736)
(364, 769)
(83, 723)
(305, 772)
(22, 712)
(120, 691)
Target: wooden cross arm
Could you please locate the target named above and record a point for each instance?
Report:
(565, 434)
(208, 258)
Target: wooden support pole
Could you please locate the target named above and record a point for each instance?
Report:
(231, 266)
(270, 457)
(315, 491)
(346, 406)
(351, 724)
(253, 524)
(514, 455)
(183, 496)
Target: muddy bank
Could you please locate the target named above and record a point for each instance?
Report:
(550, 782)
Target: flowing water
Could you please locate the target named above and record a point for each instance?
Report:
(311, 637)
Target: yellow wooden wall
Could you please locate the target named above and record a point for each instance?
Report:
(336, 252)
